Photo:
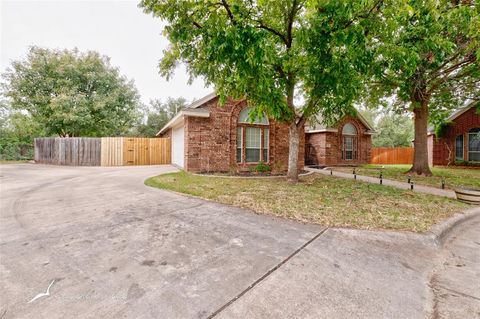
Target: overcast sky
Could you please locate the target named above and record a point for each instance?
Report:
(118, 29)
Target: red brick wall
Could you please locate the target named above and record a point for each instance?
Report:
(167, 133)
(210, 143)
(461, 125)
(325, 148)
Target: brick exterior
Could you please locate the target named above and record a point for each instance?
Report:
(444, 147)
(325, 148)
(210, 143)
(167, 133)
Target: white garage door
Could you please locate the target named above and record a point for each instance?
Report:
(178, 146)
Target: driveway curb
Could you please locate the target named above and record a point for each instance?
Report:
(439, 232)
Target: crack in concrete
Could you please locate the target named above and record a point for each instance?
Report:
(264, 276)
(459, 293)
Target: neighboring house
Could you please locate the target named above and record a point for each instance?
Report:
(207, 137)
(460, 141)
(349, 142)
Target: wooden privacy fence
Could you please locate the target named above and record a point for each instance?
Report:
(68, 151)
(392, 155)
(105, 151)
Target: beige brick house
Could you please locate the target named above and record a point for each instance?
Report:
(207, 137)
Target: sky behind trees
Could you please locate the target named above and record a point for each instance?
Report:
(118, 29)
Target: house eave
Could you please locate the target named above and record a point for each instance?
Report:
(179, 118)
(323, 130)
(461, 111)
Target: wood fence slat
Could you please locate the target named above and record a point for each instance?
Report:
(105, 151)
(82, 151)
(392, 155)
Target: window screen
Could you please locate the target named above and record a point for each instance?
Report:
(253, 137)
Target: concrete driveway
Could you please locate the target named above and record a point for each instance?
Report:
(119, 249)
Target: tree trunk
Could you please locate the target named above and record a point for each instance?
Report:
(420, 155)
(294, 147)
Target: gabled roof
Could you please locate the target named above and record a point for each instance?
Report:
(178, 119)
(191, 110)
(203, 100)
(456, 114)
(319, 126)
(194, 110)
(460, 111)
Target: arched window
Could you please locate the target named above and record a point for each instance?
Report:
(244, 117)
(252, 138)
(349, 129)
(474, 145)
(349, 145)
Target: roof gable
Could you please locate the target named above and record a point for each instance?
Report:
(320, 126)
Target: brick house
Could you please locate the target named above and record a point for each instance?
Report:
(349, 142)
(460, 142)
(207, 137)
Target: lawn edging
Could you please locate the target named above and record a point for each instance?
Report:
(252, 177)
(438, 233)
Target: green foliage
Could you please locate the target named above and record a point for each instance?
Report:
(158, 114)
(291, 59)
(428, 51)
(262, 49)
(441, 129)
(70, 93)
(393, 130)
(17, 131)
(466, 163)
(261, 167)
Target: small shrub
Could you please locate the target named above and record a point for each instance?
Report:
(261, 167)
(466, 163)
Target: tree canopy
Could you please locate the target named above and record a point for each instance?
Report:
(71, 93)
(427, 60)
(290, 58)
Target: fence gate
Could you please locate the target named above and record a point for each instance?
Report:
(136, 151)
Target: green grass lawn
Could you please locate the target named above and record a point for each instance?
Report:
(468, 177)
(320, 199)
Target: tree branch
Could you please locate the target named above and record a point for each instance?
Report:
(261, 25)
(229, 11)
(365, 16)
(290, 20)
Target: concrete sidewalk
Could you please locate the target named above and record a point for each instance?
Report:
(388, 182)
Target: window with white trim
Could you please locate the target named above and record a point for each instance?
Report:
(459, 148)
(349, 145)
(253, 144)
(266, 142)
(252, 138)
(239, 144)
(474, 145)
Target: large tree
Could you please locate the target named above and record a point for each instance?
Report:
(289, 58)
(70, 93)
(428, 62)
